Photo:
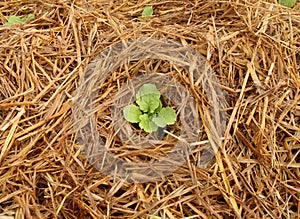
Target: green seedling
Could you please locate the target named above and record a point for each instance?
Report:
(287, 3)
(149, 112)
(146, 14)
(17, 20)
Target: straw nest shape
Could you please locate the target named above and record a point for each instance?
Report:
(253, 49)
(109, 134)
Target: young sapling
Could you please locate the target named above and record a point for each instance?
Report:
(149, 112)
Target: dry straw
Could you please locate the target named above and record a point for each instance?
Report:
(192, 71)
(253, 46)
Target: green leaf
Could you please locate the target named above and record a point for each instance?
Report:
(159, 121)
(148, 103)
(132, 113)
(169, 115)
(146, 14)
(147, 98)
(159, 106)
(153, 126)
(148, 11)
(16, 19)
(287, 3)
(147, 89)
(146, 124)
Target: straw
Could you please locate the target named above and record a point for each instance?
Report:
(253, 48)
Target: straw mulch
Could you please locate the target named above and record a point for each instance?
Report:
(253, 46)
